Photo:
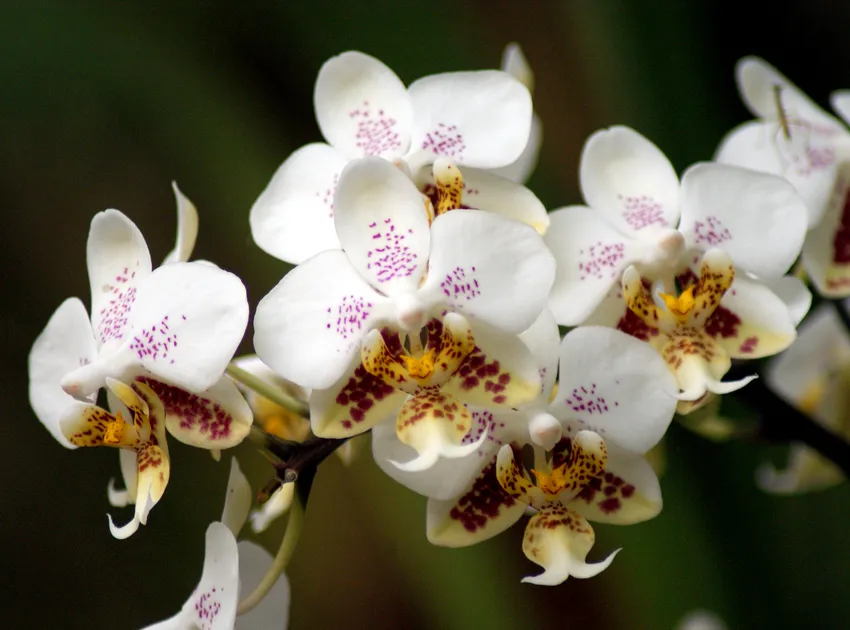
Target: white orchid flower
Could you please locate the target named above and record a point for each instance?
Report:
(812, 374)
(798, 140)
(395, 270)
(639, 213)
(612, 386)
(515, 64)
(174, 328)
(479, 120)
(230, 570)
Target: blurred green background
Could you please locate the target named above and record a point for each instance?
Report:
(103, 105)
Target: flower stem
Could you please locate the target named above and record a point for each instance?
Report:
(281, 560)
(782, 421)
(274, 394)
(843, 315)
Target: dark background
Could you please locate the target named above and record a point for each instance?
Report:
(103, 105)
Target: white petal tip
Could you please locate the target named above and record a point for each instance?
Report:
(726, 387)
(418, 464)
(581, 570)
(259, 522)
(124, 532)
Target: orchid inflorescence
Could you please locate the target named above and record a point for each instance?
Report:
(424, 308)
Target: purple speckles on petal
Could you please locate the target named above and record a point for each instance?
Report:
(640, 212)
(207, 608)
(327, 195)
(460, 285)
(155, 343)
(711, 232)
(376, 133)
(389, 256)
(805, 154)
(483, 421)
(201, 415)
(347, 317)
(600, 260)
(113, 316)
(445, 140)
(585, 399)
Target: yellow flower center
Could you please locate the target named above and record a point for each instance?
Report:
(681, 305)
(115, 430)
(449, 182)
(552, 483)
(420, 367)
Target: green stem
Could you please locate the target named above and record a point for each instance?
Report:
(281, 560)
(274, 394)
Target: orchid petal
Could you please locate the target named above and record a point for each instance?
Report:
(516, 65)
(806, 471)
(614, 385)
(213, 603)
(501, 371)
(840, 102)
(217, 418)
(482, 511)
(127, 463)
(118, 260)
(309, 327)
(382, 224)
(434, 424)
(821, 350)
(485, 190)
(751, 145)
(66, 343)
(507, 291)
(512, 477)
(480, 118)
(807, 160)
(757, 145)
(187, 228)
(273, 611)
(811, 375)
(521, 169)
(559, 540)
(488, 191)
(751, 321)
(447, 478)
(276, 506)
(292, 219)
(826, 252)
(590, 257)
(237, 500)
(544, 340)
(352, 405)
(626, 492)
(794, 293)
(757, 81)
(90, 425)
(700, 373)
(362, 107)
(757, 218)
(187, 321)
(629, 181)
(153, 473)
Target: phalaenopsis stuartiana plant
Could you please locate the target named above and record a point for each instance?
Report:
(424, 307)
